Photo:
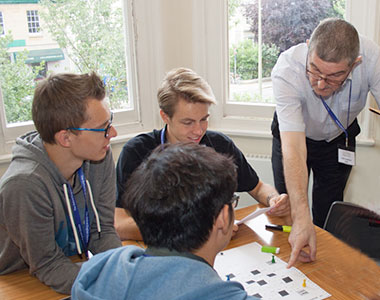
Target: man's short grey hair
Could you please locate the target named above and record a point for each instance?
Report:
(335, 40)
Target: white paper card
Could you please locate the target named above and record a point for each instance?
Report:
(346, 157)
(253, 215)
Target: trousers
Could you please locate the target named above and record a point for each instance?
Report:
(329, 176)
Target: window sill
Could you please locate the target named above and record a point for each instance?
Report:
(363, 142)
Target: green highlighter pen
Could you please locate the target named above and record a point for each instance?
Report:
(269, 249)
(283, 228)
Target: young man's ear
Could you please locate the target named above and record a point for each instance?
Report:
(223, 221)
(63, 138)
(164, 116)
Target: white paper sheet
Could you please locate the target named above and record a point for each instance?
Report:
(263, 278)
(253, 215)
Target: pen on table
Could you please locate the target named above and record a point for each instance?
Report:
(283, 228)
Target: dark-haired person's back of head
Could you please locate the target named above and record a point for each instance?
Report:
(181, 198)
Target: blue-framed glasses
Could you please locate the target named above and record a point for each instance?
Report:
(106, 130)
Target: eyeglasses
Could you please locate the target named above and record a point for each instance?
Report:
(329, 81)
(234, 200)
(320, 77)
(106, 130)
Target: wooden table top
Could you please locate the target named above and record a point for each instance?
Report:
(342, 271)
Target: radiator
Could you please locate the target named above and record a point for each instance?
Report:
(263, 167)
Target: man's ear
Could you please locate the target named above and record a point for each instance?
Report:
(223, 221)
(357, 61)
(63, 138)
(164, 116)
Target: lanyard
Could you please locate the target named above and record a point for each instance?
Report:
(84, 233)
(335, 118)
(163, 135)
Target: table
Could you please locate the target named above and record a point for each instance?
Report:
(22, 286)
(342, 271)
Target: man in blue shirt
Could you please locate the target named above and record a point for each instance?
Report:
(320, 87)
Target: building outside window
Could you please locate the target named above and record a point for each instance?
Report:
(1, 24)
(33, 21)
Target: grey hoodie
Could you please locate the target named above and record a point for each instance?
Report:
(35, 231)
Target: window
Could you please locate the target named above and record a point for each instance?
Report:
(1, 24)
(92, 36)
(260, 31)
(33, 21)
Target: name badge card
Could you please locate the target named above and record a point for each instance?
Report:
(346, 155)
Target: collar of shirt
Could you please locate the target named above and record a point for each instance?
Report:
(153, 251)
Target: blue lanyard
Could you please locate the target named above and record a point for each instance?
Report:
(163, 135)
(84, 233)
(335, 118)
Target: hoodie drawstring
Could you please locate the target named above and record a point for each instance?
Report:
(72, 219)
(67, 189)
(94, 208)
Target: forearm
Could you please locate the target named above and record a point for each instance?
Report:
(60, 274)
(296, 177)
(125, 226)
(263, 193)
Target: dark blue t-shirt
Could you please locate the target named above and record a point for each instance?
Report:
(139, 148)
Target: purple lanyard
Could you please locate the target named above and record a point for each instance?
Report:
(84, 233)
(335, 118)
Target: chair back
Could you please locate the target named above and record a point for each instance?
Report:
(357, 226)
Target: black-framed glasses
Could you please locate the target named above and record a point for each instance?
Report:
(235, 200)
(328, 81)
(320, 77)
(106, 130)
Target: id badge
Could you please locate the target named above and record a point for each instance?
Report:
(346, 155)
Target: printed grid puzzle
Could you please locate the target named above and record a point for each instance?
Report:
(264, 279)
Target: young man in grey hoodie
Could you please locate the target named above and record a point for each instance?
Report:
(57, 197)
(182, 199)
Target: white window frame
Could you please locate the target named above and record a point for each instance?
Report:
(33, 26)
(142, 53)
(364, 15)
(211, 57)
(247, 119)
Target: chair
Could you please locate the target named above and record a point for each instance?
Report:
(357, 226)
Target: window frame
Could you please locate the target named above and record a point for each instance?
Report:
(33, 24)
(247, 119)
